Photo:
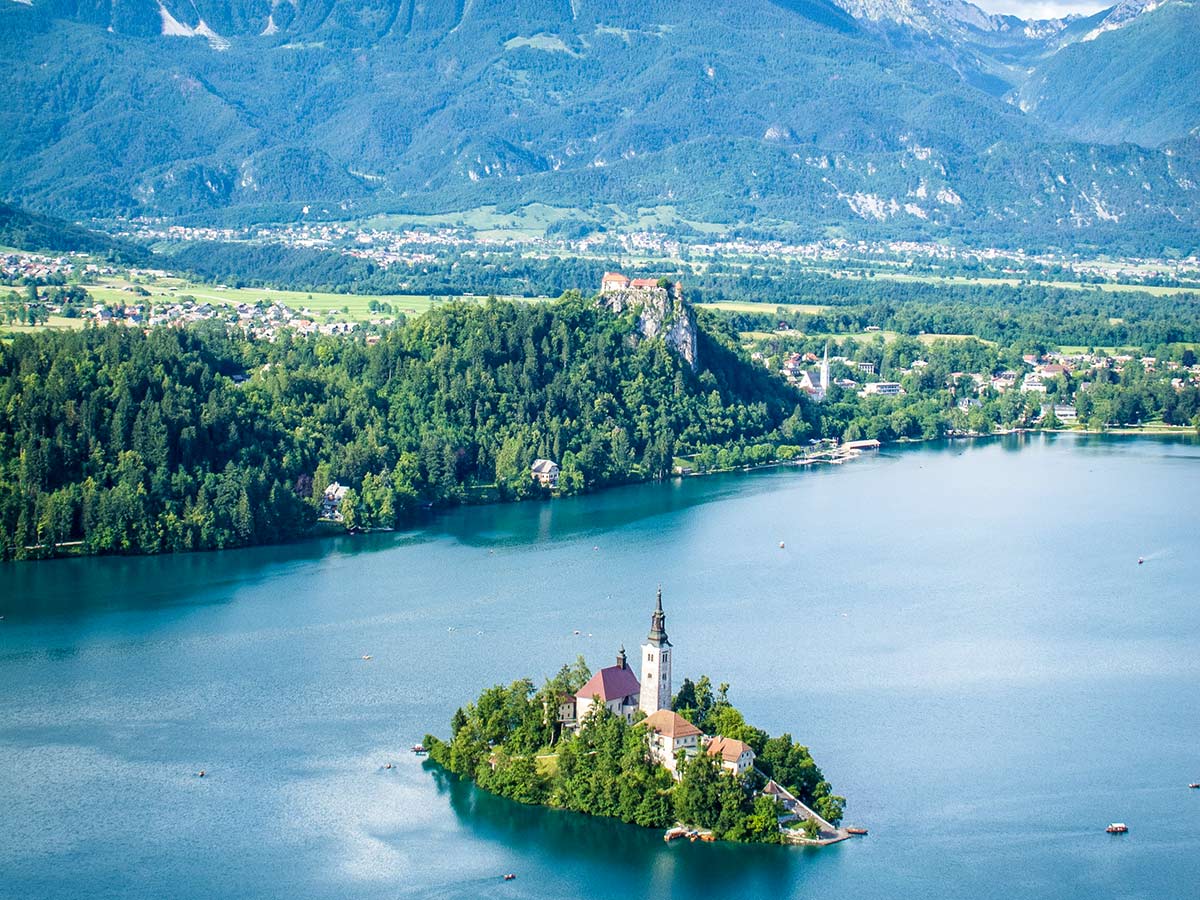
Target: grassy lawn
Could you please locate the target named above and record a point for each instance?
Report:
(55, 323)
(548, 765)
(761, 335)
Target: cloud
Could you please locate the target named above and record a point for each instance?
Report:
(1042, 9)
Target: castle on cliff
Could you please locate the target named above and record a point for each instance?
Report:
(661, 307)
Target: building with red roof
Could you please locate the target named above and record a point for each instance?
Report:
(614, 281)
(616, 687)
(736, 756)
(670, 734)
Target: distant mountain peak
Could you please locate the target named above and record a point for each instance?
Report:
(1121, 15)
(929, 16)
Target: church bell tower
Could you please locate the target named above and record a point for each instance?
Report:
(656, 664)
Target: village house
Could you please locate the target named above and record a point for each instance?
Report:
(882, 388)
(1033, 384)
(1064, 412)
(545, 472)
(331, 502)
(736, 756)
(1004, 381)
(566, 713)
(671, 734)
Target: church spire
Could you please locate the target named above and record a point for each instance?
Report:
(655, 692)
(658, 624)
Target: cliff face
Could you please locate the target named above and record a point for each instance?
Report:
(663, 311)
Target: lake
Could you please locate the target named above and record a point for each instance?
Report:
(960, 632)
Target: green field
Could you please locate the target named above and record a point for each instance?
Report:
(171, 290)
(354, 306)
(55, 323)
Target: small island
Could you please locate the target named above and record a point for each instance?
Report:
(611, 744)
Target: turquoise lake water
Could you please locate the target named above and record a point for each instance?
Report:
(961, 633)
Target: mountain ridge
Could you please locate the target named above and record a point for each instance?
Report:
(788, 111)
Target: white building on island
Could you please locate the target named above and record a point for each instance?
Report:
(670, 734)
(736, 757)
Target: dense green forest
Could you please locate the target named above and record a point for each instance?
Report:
(507, 744)
(170, 439)
(119, 440)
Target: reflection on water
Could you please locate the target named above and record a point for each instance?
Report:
(626, 852)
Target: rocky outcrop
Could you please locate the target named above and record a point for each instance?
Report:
(661, 311)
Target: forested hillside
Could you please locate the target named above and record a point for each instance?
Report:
(24, 230)
(758, 111)
(145, 442)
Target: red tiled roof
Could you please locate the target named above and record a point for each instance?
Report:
(727, 748)
(644, 283)
(612, 683)
(670, 723)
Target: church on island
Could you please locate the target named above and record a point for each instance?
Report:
(620, 690)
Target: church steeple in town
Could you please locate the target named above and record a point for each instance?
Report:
(656, 663)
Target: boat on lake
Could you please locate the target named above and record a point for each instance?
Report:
(860, 832)
(419, 749)
(674, 834)
(1117, 828)
(1194, 785)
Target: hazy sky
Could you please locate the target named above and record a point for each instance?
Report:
(1042, 9)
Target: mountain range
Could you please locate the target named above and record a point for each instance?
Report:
(910, 118)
